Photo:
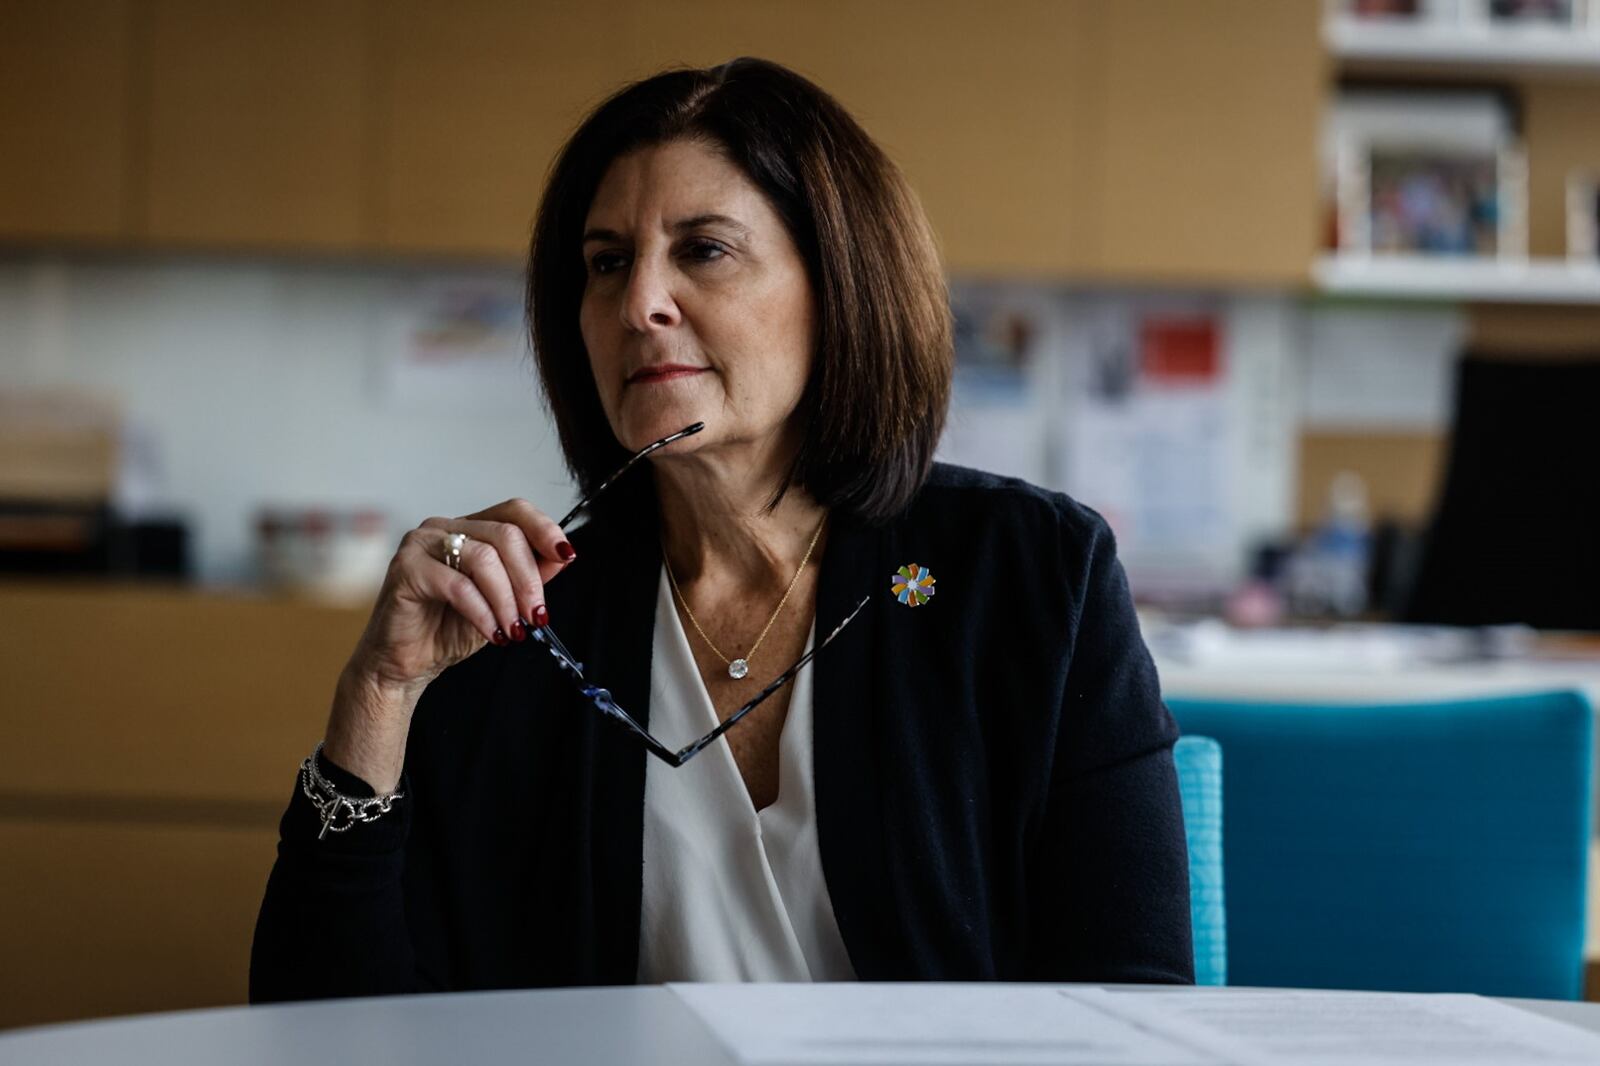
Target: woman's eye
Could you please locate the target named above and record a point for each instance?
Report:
(699, 249)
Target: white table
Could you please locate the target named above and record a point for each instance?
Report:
(551, 1027)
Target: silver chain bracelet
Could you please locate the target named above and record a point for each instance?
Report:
(329, 800)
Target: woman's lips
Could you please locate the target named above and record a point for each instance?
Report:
(654, 374)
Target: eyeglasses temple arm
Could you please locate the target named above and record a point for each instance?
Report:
(602, 698)
(686, 431)
(599, 696)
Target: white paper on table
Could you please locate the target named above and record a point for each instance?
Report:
(1306, 1028)
(923, 1025)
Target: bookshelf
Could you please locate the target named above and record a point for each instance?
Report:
(1363, 45)
(1547, 73)
(1534, 280)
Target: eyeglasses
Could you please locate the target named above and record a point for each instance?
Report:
(601, 698)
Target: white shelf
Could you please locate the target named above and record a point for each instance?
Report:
(1556, 281)
(1469, 48)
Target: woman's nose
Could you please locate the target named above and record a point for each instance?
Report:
(648, 302)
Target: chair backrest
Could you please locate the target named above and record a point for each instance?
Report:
(1411, 847)
(1199, 763)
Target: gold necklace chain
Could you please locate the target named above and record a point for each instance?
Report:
(738, 668)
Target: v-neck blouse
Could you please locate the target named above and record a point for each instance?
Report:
(730, 893)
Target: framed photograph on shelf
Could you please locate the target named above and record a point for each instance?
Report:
(1409, 198)
(1436, 201)
(1437, 173)
(1583, 216)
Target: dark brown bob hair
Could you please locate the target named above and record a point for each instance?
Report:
(880, 385)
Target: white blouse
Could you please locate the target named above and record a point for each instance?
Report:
(730, 893)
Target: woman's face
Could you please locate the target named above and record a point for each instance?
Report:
(697, 306)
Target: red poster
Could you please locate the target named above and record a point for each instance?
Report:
(1179, 351)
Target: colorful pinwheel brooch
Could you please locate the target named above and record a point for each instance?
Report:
(912, 585)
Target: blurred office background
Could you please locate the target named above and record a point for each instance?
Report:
(1304, 297)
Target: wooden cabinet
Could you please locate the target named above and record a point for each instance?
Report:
(173, 123)
(1079, 139)
(122, 916)
(1162, 141)
(256, 123)
(982, 112)
(232, 690)
(1202, 162)
(152, 739)
(1085, 139)
(980, 106)
(476, 98)
(64, 130)
(1562, 132)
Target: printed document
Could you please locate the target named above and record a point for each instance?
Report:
(879, 1024)
(1336, 1028)
(924, 1025)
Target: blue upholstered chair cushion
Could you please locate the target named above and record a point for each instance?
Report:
(1420, 847)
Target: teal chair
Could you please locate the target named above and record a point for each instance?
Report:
(1413, 847)
(1199, 763)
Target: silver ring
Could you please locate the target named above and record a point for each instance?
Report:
(452, 549)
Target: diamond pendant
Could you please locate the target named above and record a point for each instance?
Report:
(738, 668)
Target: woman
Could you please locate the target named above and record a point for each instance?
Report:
(972, 780)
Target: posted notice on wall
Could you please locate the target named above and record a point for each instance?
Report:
(455, 343)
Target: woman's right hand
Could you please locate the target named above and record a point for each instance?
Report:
(429, 616)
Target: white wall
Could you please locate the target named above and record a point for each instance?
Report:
(253, 383)
(1381, 367)
(248, 383)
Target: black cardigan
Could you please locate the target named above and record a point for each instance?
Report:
(995, 794)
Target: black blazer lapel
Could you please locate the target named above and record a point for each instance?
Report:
(617, 653)
(846, 783)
